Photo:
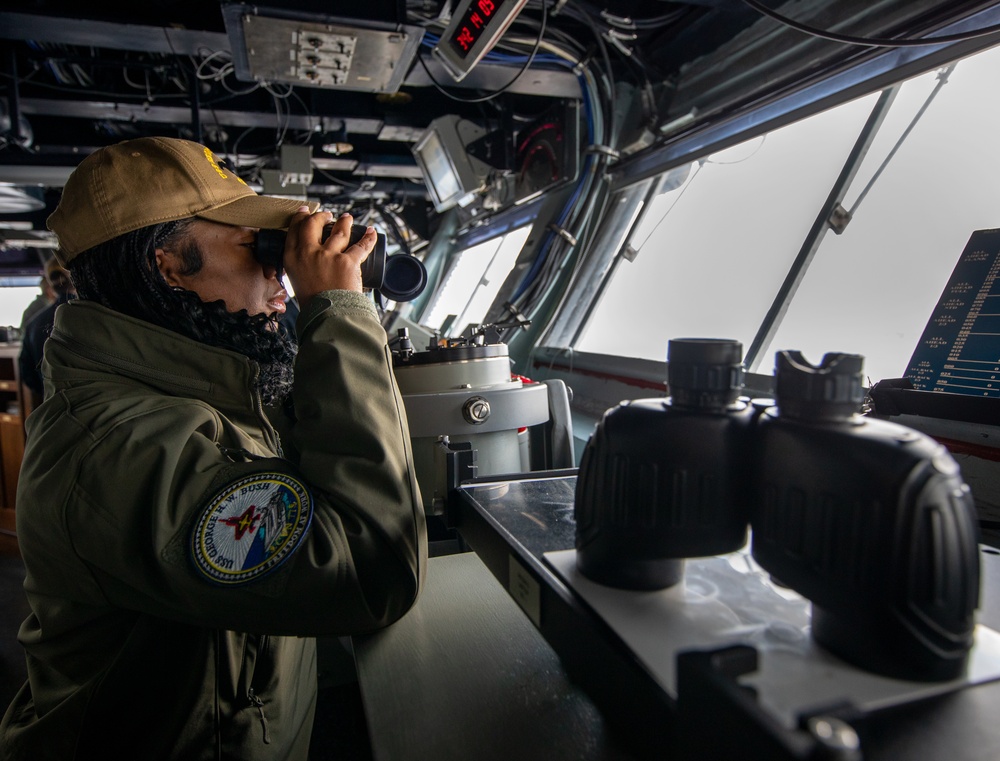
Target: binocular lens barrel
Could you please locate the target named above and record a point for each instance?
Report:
(270, 251)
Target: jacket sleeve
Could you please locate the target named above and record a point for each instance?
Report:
(353, 445)
(359, 563)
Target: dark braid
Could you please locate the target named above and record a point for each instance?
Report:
(122, 275)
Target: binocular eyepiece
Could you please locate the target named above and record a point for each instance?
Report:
(399, 277)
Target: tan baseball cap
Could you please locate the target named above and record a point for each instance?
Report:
(150, 180)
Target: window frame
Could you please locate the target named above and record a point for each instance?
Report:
(643, 174)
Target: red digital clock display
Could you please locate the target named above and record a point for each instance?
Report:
(474, 24)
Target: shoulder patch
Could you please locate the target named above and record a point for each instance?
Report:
(251, 527)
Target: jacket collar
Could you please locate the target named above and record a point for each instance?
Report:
(89, 338)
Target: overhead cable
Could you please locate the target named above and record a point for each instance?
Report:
(878, 42)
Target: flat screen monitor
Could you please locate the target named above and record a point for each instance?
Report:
(453, 177)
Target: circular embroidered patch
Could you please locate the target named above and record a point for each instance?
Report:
(251, 527)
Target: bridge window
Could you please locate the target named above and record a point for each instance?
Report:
(713, 249)
(473, 279)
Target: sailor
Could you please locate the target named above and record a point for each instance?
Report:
(191, 512)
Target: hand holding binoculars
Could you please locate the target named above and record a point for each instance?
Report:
(398, 277)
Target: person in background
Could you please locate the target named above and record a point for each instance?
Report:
(38, 328)
(200, 497)
(45, 297)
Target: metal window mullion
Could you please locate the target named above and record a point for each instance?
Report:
(596, 269)
(772, 320)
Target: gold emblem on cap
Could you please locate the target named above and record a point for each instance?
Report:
(215, 165)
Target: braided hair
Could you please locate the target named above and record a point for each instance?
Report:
(122, 275)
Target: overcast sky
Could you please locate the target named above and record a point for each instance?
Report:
(713, 263)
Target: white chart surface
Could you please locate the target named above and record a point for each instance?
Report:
(729, 600)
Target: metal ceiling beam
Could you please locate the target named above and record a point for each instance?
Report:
(56, 176)
(129, 112)
(380, 169)
(707, 132)
(552, 83)
(766, 54)
(110, 35)
(21, 174)
(156, 39)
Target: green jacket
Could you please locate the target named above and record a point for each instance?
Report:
(180, 557)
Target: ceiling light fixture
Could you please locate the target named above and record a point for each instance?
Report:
(338, 149)
(339, 143)
(18, 200)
